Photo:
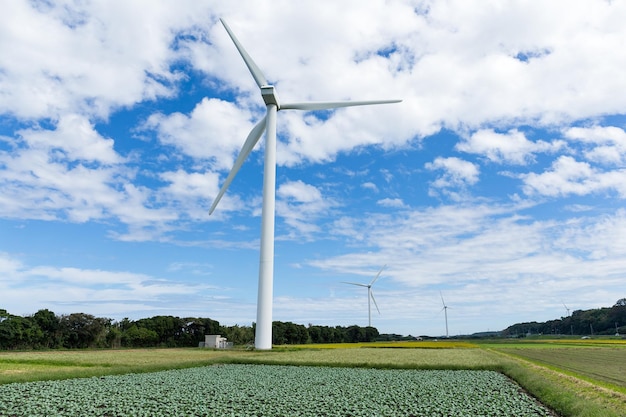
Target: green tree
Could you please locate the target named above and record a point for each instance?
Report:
(315, 334)
(168, 328)
(239, 335)
(18, 332)
(139, 337)
(278, 333)
(80, 330)
(288, 333)
(49, 324)
(6, 331)
(195, 329)
(371, 334)
(355, 334)
(113, 337)
(124, 324)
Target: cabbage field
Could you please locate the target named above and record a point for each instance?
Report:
(275, 390)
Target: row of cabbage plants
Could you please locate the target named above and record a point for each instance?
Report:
(270, 390)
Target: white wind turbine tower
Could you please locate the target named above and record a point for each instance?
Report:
(370, 295)
(571, 327)
(445, 312)
(263, 336)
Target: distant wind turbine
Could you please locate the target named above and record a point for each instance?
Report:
(370, 295)
(566, 309)
(263, 335)
(445, 312)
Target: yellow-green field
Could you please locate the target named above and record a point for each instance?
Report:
(579, 378)
(447, 344)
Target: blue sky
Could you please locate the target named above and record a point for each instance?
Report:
(499, 181)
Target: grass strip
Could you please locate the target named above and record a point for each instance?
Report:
(605, 367)
(566, 395)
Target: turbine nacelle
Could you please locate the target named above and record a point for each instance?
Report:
(268, 92)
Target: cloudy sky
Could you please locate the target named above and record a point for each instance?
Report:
(499, 181)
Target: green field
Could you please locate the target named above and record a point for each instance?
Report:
(600, 364)
(275, 390)
(575, 378)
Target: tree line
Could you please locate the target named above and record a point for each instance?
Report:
(600, 321)
(46, 330)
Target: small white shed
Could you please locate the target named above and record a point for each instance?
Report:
(216, 341)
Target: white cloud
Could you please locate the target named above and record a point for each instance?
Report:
(391, 202)
(387, 175)
(485, 258)
(195, 268)
(190, 193)
(570, 177)
(474, 61)
(456, 171)
(300, 205)
(214, 130)
(452, 63)
(457, 174)
(86, 57)
(603, 239)
(607, 155)
(50, 176)
(38, 185)
(311, 139)
(9, 266)
(370, 186)
(299, 192)
(597, 135)
(190, 185)
(73, 139)
(603, 144)
(114, 292)
(512, 147)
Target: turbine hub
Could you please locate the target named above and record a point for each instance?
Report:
(268, 92)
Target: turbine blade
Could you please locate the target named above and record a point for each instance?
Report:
(374, 300)
(442, 302)
(377, 275)
(251, 140)
(354, 283)
(321, 105)
(254, 69)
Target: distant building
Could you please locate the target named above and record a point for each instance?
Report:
(216, 341)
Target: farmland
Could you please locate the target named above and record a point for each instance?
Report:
(600, 364)
(266, 390)
(549, 370)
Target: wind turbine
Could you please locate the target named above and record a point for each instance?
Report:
(370, 295)
(263, 335)
(445, 312)
(566, 309)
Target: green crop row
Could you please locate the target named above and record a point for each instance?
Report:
(600, 364)
(271, 390)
